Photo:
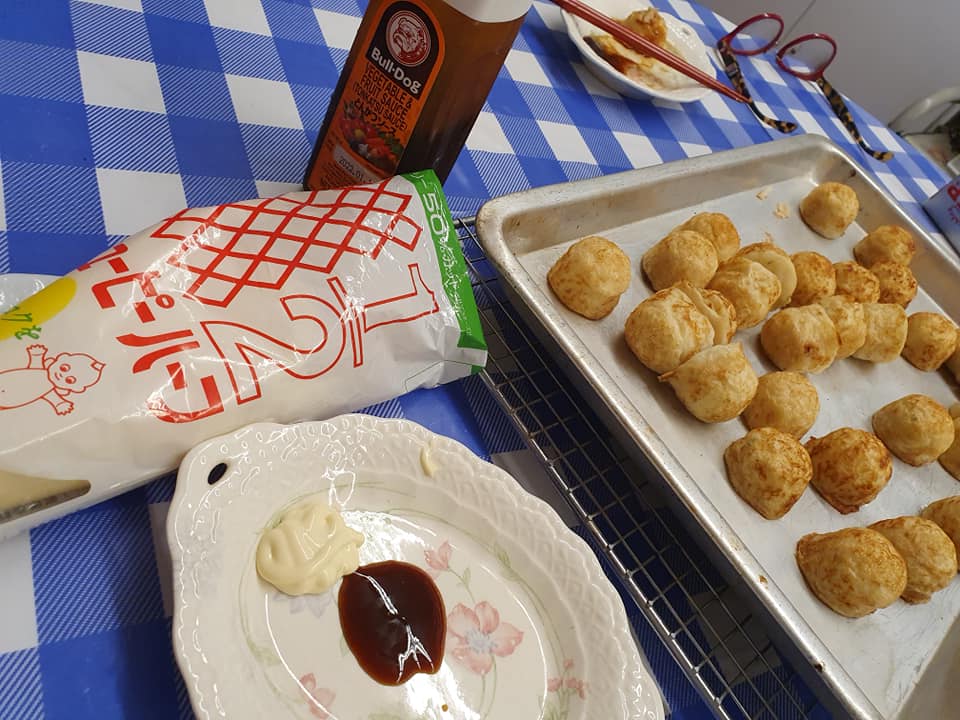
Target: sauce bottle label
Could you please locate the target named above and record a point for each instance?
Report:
(382, 98)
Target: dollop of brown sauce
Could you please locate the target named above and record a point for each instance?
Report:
(393, 620)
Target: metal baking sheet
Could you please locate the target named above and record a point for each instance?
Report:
(891, 664)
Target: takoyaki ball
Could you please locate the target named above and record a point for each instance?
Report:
(850, 467)
(946, 514)
(953, 362)
(816, 278)
(716, 384)
(853, 571)
(848, 318)
(897, 283)
(915, 428)
(928, 551)
(769, 469)
(950, 460)
(886, 325)
(681, 255)
(777, 261)
(787, 401)
(718, 229)
(802, 339)
(931, 340)
(829, 209)
(590, 277)
(856, 281)
(715, 307)
(666, 329)
(887, 242)
(749, 286)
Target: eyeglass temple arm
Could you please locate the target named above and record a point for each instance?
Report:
(843, 113)
(732, 68)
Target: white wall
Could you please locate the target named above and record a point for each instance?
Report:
(890, 52)
(737, 11)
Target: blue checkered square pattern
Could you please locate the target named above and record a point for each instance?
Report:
(147, 141)
(110, 31)
(183, 43)
(200, 102)
(84, 586)
(135, 656)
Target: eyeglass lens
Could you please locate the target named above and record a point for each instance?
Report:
(810, 56)
(756, 37)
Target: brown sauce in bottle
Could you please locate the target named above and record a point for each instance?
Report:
(367, 134)
(393, 620)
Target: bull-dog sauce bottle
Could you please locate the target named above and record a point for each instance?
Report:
(416, 78)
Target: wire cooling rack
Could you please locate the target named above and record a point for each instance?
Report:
(721, 647)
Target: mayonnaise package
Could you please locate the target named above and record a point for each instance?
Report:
(291, 308)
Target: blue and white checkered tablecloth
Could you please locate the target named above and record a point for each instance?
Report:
(116, 113)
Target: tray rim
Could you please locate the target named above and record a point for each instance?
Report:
(497, 214)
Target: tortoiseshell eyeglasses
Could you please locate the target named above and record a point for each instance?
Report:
(805, 57)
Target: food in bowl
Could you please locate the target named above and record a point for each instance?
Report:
(643, 69)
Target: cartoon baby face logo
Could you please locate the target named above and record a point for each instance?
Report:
(52, 380)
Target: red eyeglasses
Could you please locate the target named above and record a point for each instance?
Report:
(805, 57)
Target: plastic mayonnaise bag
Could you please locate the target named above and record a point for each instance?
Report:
(302, 306)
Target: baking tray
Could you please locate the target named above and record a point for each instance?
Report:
(717, 641)
(892, 664)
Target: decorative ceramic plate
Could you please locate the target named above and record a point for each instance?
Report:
(15, 287)
(534, 629)
(682, 38)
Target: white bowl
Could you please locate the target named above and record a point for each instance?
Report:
(681, 36)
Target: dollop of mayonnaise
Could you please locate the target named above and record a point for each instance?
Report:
(427, 463)
(308, 550)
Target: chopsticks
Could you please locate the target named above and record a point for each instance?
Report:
(642, 45)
